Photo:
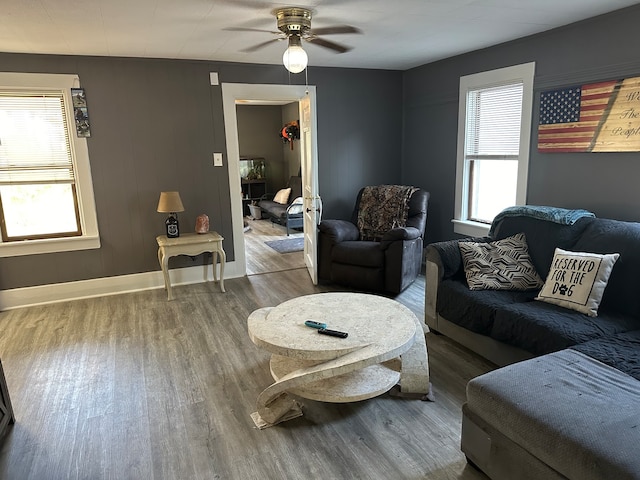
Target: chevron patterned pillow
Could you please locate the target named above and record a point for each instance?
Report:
(500, 265)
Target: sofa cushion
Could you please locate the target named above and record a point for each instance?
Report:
(542, 237)
(282, 196)
(499, 265)
(620, 350)
(273, 208)
(577, 280)
(474, 310)
(361, 253)
(361, 278)
(540, 327)
(573, 413)
(613, 236)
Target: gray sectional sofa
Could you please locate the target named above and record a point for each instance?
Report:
(566, 403)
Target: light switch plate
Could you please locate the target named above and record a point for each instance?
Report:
(217, 159)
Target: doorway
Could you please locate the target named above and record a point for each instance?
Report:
(268, 164)
(232, 95)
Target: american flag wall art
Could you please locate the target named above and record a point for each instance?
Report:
(597, 117)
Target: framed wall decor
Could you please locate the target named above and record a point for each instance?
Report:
(80, 112)
(597, 117)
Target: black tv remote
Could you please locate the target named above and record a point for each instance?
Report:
(333, 333)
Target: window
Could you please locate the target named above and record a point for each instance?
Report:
(494, 128)
(46, 195)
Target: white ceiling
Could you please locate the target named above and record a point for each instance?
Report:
(396, 34)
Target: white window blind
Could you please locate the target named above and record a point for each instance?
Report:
(493, 122)
(34, 142)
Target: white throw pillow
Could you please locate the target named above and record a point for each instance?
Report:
(500, 265)
(282, 196)
(577, 280)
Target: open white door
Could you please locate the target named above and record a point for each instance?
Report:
(312, 202)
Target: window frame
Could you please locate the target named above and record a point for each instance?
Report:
(90, 238)
(524, 73)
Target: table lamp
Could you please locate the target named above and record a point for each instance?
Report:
(170, 203)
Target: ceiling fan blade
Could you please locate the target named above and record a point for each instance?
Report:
(260, 45)
(252, 4)
(321, 42)
(242, 29)
(334, 30)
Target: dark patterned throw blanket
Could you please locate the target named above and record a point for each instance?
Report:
(382, 208)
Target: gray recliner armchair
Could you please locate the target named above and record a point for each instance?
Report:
(388, 263)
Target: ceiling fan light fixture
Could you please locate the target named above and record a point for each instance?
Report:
(295, 59)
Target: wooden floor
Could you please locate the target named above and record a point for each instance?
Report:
(264, 259)
(135, 387)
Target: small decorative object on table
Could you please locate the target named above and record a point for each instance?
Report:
(202, 223)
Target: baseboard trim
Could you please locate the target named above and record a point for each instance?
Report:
(100, 287)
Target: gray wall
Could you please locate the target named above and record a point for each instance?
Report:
(155, 124)
(258, 136)
(363, 145)
(600, 48)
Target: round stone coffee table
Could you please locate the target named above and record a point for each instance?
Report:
(385, 346)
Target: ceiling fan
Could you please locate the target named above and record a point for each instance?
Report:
(294, 25)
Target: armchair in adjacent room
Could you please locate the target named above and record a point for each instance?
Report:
(381, 248)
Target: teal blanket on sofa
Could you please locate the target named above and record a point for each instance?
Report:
(562, 216)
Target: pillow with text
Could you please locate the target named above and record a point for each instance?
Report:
(577, 280)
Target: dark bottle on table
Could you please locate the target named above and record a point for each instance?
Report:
(173, 231)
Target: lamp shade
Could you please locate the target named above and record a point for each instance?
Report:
(170, 202)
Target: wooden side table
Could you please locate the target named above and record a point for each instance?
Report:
(190, 244)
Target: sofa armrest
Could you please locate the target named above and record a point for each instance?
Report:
(447, 254)
(339, 230)
(433, 277)
(401, 233)
(443, 260)
(267, 196)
